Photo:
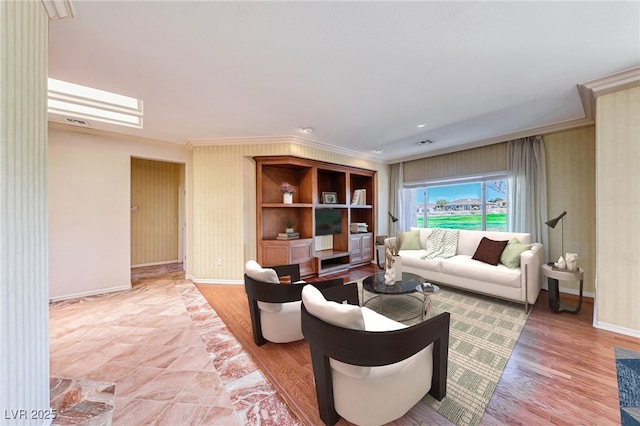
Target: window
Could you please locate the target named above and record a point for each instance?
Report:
(478, 203)
(74, 100)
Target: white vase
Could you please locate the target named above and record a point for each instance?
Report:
(389, 277)
(287, 197)
(393, 271)
(397, 267)
(572, 261)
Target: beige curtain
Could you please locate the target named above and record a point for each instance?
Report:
(528, 188)
(395, 199)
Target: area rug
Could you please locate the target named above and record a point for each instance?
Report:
(628, 370)
(482, 335)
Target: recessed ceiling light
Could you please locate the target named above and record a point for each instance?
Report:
(378, 151)
(421, 125)
(307, 130)
(84, 102)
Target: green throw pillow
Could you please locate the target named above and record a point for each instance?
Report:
(410, 240)
(511, 254)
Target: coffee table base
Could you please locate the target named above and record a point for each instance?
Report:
(422, 315)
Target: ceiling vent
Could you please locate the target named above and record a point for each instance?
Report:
(76, 122)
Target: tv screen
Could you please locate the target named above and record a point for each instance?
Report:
(328, 221)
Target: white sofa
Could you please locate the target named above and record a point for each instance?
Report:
(521, 284)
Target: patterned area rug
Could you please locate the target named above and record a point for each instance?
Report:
(628, 370)
(482, 335)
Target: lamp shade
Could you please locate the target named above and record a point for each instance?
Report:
(393, 218)
(553, 222)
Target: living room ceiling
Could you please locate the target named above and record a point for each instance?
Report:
(362, 75)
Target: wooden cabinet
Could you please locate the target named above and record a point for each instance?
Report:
(316, 253)
(284, 252)
(361, 248)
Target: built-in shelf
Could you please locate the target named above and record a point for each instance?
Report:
(311, 179)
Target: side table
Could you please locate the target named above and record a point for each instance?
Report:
(553, 276)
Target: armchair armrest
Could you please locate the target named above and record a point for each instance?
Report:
(282, 293)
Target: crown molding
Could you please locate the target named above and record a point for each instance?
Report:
(59, 9)
(615, 82)
(286, 139)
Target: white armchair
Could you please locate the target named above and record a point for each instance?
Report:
(275, 307)
(369, 369)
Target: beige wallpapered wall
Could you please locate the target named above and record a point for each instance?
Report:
(618, 210)
(571, 174)
(24, 280)
(224, 174)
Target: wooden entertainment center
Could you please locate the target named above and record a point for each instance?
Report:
(316, 254)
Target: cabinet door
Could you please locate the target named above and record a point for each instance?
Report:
(367, 247)
(301, 252)
(274, 253)
(356, 248)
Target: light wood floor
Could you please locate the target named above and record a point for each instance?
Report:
(562, 370)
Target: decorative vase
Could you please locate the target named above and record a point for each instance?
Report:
(397, 267)
(572, 261)
(287, 197)
(393, 271)
(389, 277)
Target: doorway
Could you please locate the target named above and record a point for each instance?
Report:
(157, 212)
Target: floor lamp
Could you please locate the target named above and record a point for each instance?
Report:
(393, 220)
(552, 224)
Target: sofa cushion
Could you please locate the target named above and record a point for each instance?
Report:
(465, 267)
(511, 254)
(489, 251)
(468, 240)
(416, 259)
(410, 240)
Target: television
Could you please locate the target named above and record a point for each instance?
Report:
(328, 221)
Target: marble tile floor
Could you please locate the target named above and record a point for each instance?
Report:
(157, 354)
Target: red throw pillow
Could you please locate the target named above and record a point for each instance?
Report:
(489, 251)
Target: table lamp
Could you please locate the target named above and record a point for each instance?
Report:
(552, 224)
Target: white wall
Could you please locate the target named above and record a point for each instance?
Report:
(89, 208)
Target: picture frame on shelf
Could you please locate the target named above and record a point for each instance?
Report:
(329, 198)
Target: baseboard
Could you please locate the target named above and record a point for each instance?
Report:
(617, 329)
(164, 262)
(212, 280)
(90, 293)
(576, 292)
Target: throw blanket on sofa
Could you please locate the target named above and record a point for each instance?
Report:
(441, 243)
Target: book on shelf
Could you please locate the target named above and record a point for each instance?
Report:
(359, 197)
(354, 199)
(288, 235)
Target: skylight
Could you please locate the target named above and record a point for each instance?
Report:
(74, 100)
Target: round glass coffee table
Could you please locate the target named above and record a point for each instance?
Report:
(408, 285)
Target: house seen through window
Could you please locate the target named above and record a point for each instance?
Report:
(473, 204)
